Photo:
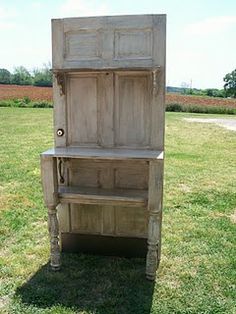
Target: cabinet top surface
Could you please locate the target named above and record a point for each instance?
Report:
(104, 153)
(112, 17)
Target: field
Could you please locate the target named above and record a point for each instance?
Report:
(174, 98)
(197, 273)
(45, 93)
(33, 92)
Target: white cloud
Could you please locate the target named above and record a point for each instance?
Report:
(6, 25)
(75, 8)
(211, 25)
(7, 13)
(6, 18)
(36, 5)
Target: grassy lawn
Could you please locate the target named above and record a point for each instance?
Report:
(197, 273)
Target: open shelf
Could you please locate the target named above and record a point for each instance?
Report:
(88, 195)
(104, 153)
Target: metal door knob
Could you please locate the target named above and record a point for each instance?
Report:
(60, 132)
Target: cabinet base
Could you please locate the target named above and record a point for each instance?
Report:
(103, 245)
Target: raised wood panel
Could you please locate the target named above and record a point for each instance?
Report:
(131, 221)
(89, 174)
(83, 106)
(108, 42)
(86, 218)
(82, 45)
(133, 44)
(84, 177)
(131, 178)
(90, 109)
(108, 175)
(108, 220)
(106, 92)
(132, 110)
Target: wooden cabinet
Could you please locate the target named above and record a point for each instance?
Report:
(104, 178)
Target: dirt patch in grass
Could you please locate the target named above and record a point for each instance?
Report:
(233, 217)
(229, 124)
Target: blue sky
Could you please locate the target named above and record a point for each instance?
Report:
(201, 35)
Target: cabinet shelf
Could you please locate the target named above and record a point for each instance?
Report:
(89, 195)
(104, 153)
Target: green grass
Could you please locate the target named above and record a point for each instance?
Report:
(197, 273)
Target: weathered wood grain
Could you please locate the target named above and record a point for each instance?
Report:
(88, 195)
(109, 89)
(50, 189)
(108, 42)
(155, 217)
(107, 154)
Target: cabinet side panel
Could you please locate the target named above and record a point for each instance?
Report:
(57, 43)
(158, 99)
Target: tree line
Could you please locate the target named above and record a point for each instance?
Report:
(43, 77)
(21, 76)
(228, 90)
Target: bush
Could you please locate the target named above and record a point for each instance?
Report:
(25, 103)
(42, 104)
(199, 109)
(174, 107)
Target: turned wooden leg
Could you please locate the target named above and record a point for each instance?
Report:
(50, 189)
(53, 228)
(153, 241)
(155, 217)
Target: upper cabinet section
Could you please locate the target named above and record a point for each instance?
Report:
(136, 41)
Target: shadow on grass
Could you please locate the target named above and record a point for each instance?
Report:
(91, 283)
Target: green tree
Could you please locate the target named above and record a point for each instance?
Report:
(21, 76)
(43, 77)
(5, 76)
(230, 84)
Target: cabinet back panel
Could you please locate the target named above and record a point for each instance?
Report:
(83, 106)
(108, 42)
(86, 218)
(132, 110)
(108, 220)
(108, 175)
(131, 221)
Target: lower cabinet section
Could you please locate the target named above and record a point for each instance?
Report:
(103, 245)
(104, 220)
(102, 214)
